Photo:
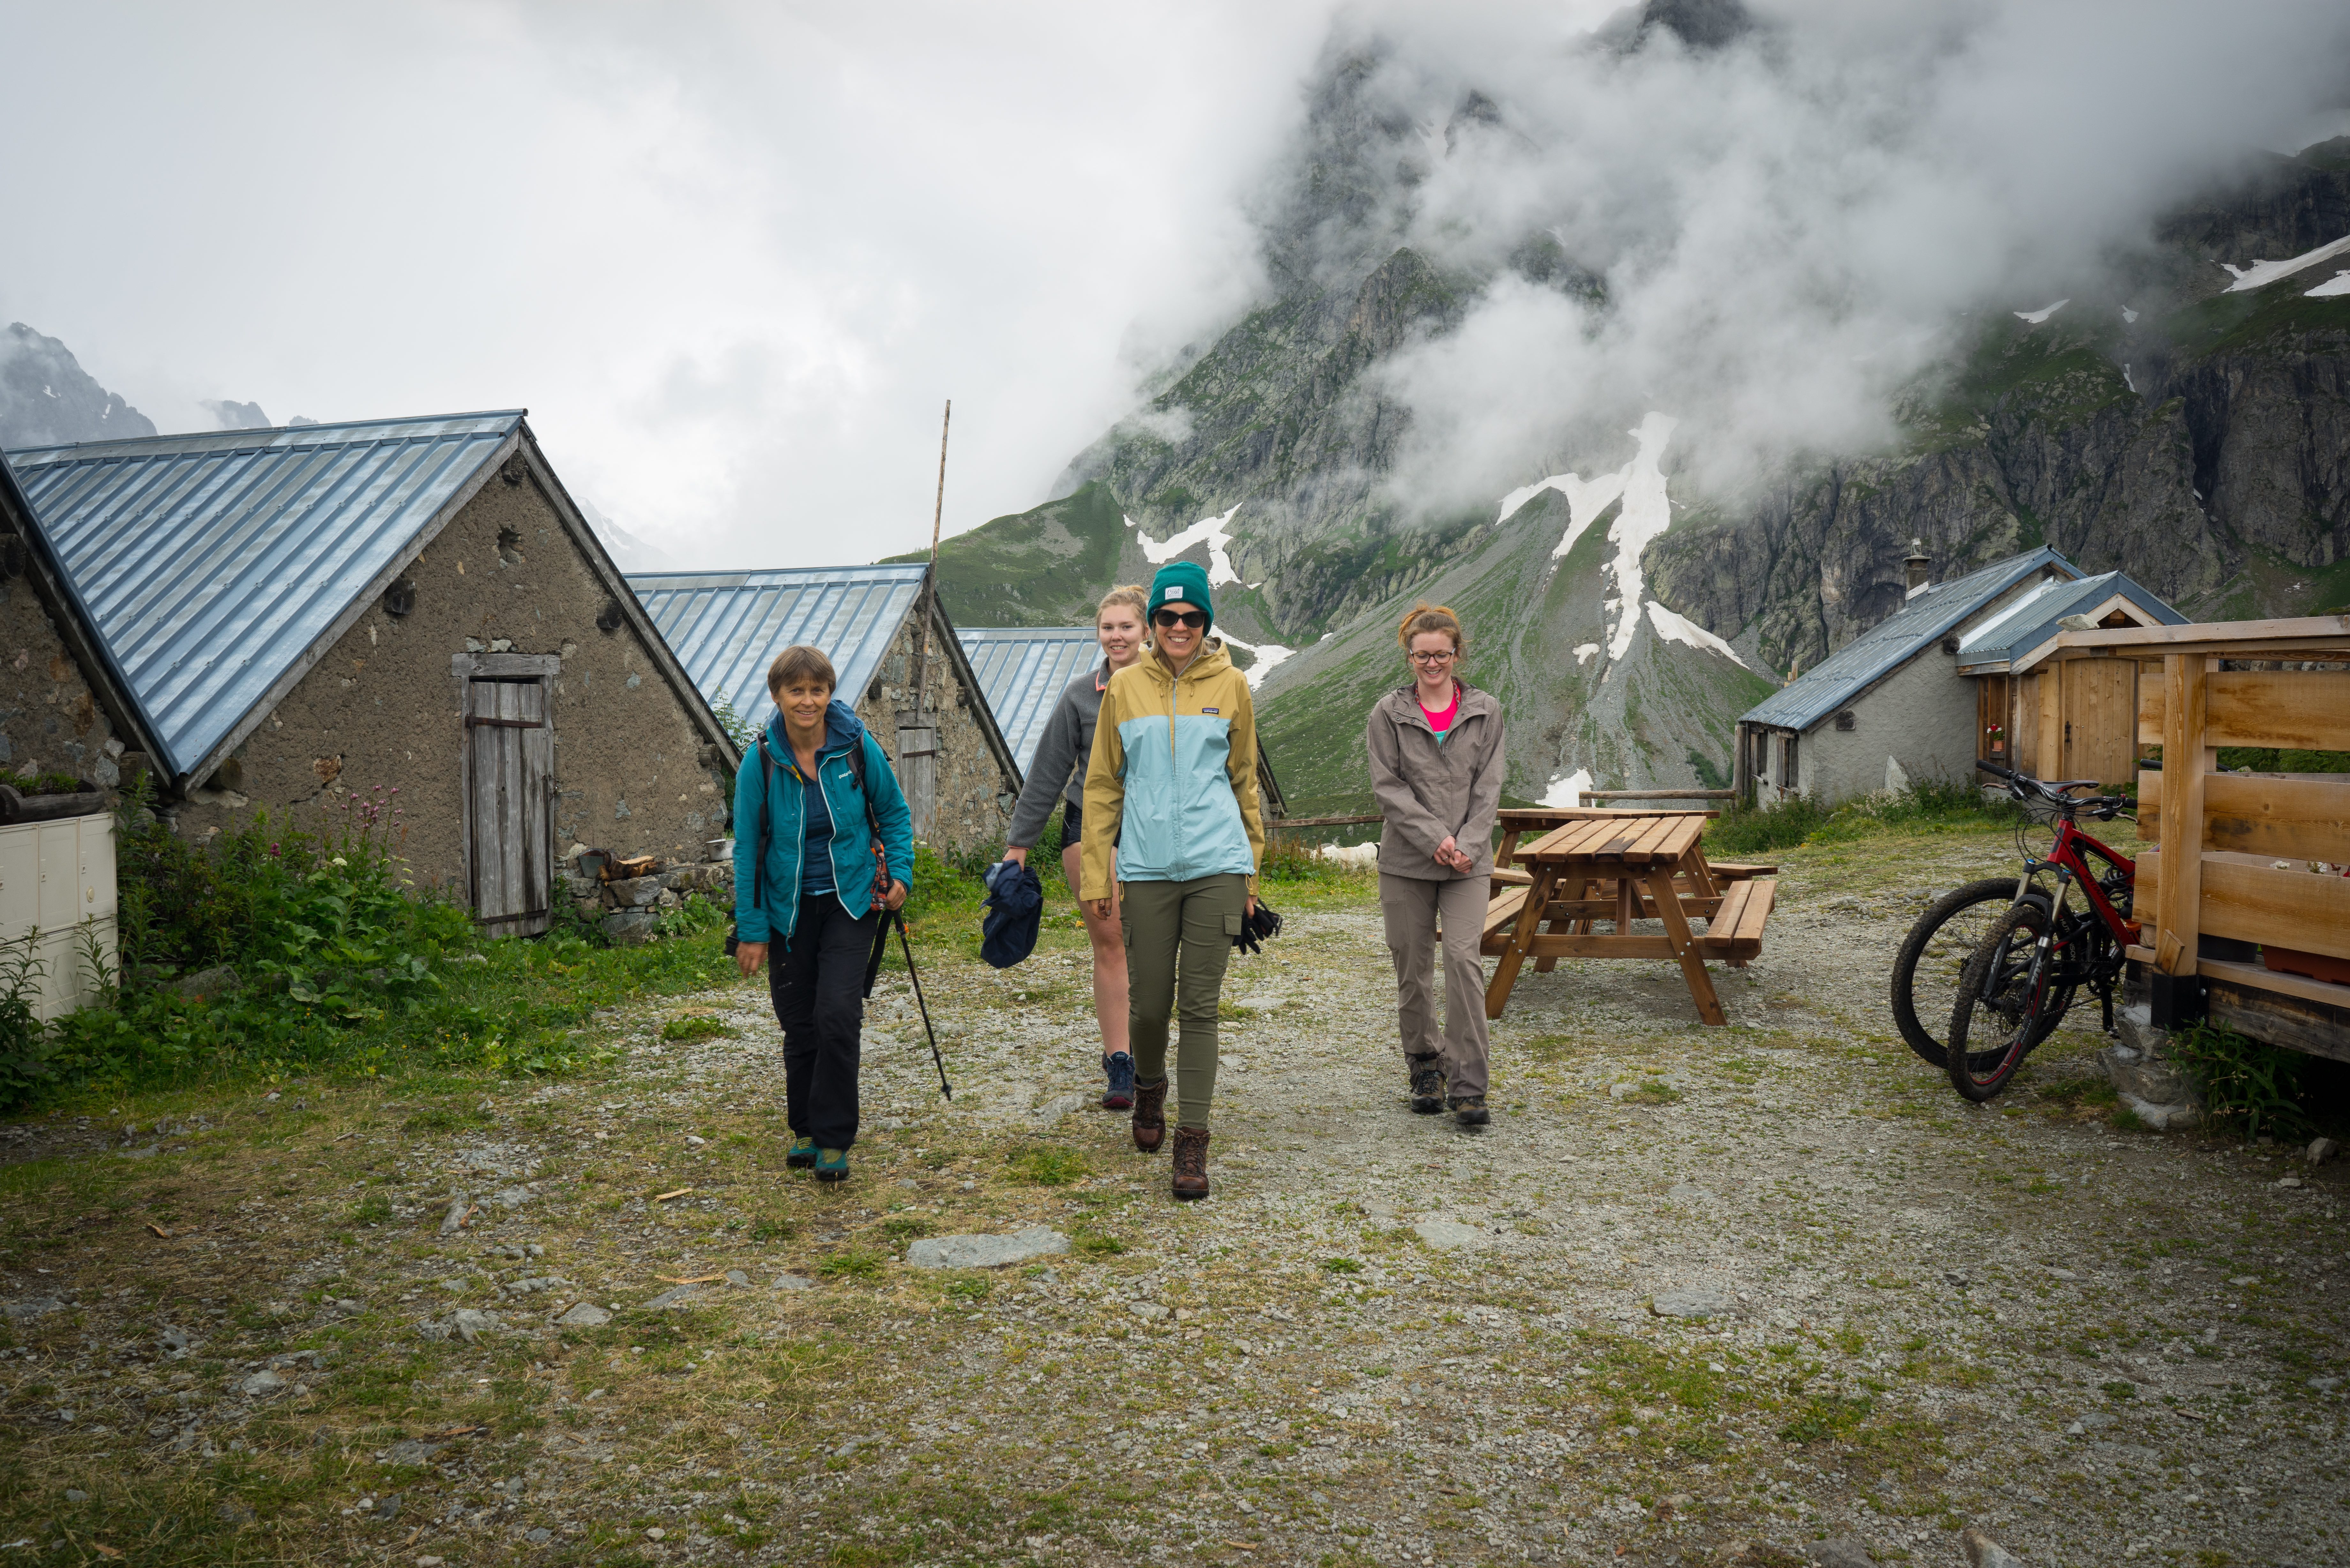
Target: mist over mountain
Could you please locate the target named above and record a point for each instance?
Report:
(1657, 343)
(47, 397)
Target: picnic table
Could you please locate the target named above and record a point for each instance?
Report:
(1590, 865)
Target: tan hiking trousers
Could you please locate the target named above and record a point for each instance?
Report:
(1409, 905)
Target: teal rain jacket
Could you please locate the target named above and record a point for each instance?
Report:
(783, 811)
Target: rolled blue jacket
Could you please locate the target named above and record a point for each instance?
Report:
(784, 809)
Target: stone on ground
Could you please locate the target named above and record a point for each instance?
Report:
(1692, 1301)
(985, 1251)
(585, 1315)
(1984, 1551)
(1446, 1235)
(676, 1296)
(1843, 1552)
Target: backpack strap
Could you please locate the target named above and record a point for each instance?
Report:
(766, 823)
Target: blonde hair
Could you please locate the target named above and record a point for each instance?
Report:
(803, 663)
(1427, 618)
(1133, 594)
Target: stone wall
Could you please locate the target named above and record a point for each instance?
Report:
(50, 720)
(635, 774)
(975, 793)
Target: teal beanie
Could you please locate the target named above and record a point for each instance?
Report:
(1182, 582)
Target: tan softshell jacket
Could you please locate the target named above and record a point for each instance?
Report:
(1429, 791)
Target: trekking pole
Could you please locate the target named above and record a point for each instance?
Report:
(897, 918)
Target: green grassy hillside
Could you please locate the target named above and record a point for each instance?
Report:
(1045, 567)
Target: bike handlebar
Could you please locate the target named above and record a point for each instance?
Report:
(2020, 786)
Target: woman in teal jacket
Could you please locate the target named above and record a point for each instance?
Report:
(818, 794)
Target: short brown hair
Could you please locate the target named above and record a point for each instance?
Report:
(1426, 617)
(1133, 594)
(801, 663)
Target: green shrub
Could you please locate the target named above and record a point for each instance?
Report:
(1747, 830)
(2246, 1084)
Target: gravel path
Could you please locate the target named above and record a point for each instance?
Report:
(1694, 1291)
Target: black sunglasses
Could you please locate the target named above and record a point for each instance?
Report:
(1181, 618)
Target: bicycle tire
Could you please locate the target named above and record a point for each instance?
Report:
(1996, 1021)
(1941, 941)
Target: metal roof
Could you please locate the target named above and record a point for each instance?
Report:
(728, 626)
(1022, 670)
(2022, 626)
(215, 565)
(1924, 618)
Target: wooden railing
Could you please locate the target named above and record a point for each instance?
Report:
(2232, 854)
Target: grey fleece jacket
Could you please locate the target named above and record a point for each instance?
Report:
(1059, 771)
(1428, 791)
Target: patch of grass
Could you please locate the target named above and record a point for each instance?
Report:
(1341, 1266)
(1098, 1245)
(442, 1120)
(375, 1209)
(905, 1227)
(1050, 1167)
(1824, 1418)
(972, 1288)
(2249, 1085)
(854, 1263)
(1651, 1092)
(698, 1026)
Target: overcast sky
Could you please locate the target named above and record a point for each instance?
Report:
(731, 257)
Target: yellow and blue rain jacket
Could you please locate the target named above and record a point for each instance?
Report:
(1174, 765)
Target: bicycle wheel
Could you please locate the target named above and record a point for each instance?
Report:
(1926, 971)
(2002, 1009)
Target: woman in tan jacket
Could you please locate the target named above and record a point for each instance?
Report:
(1437, 760)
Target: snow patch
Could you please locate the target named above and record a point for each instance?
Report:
(1125, 519)
(1680, 629)
(1582, 651)
(2339, 283)
(2042, 313)
(2129, 315)
(2267, 271)
(1568, 789)
(2126, 377)
(1215, 531)
(1645, 515)
(1269, 655)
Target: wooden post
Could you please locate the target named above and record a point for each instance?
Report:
(930, 580)
(1740, 776)
(2186, 686)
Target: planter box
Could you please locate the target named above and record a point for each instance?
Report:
(57, 880)
(16, 807)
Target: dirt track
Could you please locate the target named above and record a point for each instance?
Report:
(1384, 1339)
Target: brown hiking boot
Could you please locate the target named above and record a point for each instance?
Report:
(1150, 1116)
(1190, 1163)
(1427, 1086)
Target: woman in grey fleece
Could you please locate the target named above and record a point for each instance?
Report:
(1436, 768)
(1061, 755)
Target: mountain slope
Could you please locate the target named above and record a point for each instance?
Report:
(47, 399)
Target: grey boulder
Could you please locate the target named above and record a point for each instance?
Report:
(1843, 1552)
(1984, 1551)
(985, 1251)
(585, 1315)
(1691, 1301)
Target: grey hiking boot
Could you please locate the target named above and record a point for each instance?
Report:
(1470, 1110)
(1427, 1086)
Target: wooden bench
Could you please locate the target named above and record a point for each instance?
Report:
(1622, 866)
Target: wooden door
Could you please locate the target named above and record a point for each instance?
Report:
(509, 833)
(918, 774)
(2100, 721)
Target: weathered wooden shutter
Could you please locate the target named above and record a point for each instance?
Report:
(917, 774)
(509, 777)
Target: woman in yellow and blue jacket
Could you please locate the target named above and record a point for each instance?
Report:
(1174, 766)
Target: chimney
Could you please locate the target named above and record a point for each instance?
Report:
(1920, 566)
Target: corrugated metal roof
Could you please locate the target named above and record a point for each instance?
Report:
(1022, 669)
(213, 563)
(2032, 619)
(1923, 619)
(726, 627)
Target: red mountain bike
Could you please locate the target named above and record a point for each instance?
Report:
(2035, 960)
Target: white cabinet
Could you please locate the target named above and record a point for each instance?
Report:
(56, 889)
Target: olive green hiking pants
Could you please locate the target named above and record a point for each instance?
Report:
(1179, 937)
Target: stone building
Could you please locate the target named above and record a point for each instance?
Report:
(316, 613)
(959, 774)
(68, 708)
(1922, 694)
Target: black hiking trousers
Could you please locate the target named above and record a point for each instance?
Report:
(816, 980)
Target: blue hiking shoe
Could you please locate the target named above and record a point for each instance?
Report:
(802, 1153)
(1120, 1095)
(832, 1165)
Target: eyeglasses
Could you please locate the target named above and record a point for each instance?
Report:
(1445, 658)
(1181, 618)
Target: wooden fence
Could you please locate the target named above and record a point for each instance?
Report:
(2244, 910)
